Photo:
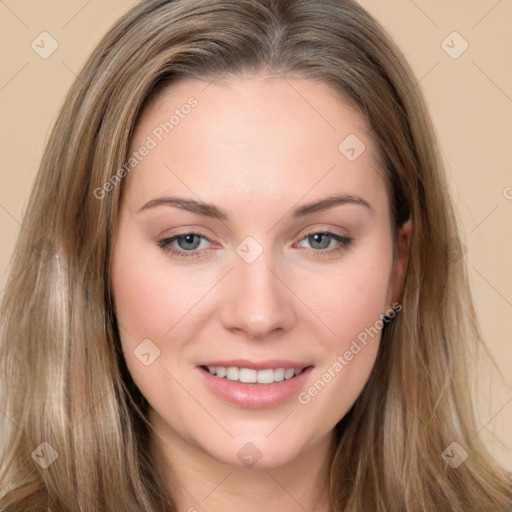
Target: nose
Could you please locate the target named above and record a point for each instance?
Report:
(259, 301)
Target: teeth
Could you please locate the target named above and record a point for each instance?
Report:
(288, 374)
(232, 373)
(249, 375)
(279, 374)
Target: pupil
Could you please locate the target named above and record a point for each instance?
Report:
(317, 235)
(189, 239)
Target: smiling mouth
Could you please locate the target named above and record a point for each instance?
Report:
(252, 376)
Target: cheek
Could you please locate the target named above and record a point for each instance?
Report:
(350, 304)
(355, 300)
(140, 297)
(148, 304)
(352, 296)
(149, 299)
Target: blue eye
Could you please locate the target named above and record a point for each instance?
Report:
(187, 248)
(318, 239)
(186, 245)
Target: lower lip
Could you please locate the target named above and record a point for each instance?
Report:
(254, 396)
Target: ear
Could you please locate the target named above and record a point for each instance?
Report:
(401, 262)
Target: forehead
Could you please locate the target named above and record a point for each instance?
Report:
(247, 139)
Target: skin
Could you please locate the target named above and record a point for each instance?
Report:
(257, 147)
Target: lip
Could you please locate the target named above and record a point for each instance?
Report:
(258, 365)
(255, 396)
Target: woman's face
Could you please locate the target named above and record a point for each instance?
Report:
(249, 266)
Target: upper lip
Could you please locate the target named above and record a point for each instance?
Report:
(257, 365)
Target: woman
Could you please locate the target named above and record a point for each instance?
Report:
(247, 370)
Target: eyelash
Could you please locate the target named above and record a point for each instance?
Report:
(165, 244)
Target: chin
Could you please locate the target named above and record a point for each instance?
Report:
(257, 453)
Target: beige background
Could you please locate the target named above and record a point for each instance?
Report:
(470, 99)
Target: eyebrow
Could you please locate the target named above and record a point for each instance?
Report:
(210, 210)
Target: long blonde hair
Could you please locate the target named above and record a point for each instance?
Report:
(63, 379)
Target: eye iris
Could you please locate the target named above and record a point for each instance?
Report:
(189, 240)
(324, 245)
